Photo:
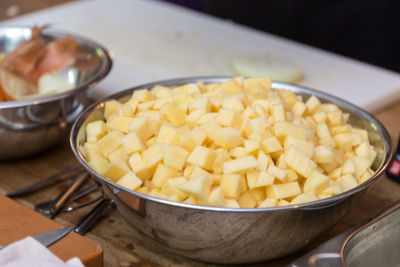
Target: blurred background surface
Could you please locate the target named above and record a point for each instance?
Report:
(361, 29)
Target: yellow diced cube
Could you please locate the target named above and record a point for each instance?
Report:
(174, 115)
(162, 173)
(142, 95)
(141, 126)
(279, 191)
(268, 203)
(174, 156)
(227, 137)
(312, 104)
(130, 181)
(110, 142)
(216, 197)
(347, 182)
(283, 129)
(299, 162)
(132, 143)
(202, 156)
(304, 198)
(98, 164)
(271, 145)
(95, 130)
(228, 117)
(323, 154)
(264, 179)
(240, 165)
(276, 172)
(198, 188)
(247, 200)
(316, 182)
(114, 171)
(111, 107)
(231, 184)
(169, 188)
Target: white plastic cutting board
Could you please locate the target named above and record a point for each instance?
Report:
(153, 40)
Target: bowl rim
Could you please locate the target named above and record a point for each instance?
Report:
(314, 205)
(103, 71)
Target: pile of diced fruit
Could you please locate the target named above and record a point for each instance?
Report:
(233, 144)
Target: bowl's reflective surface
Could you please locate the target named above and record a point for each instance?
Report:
(226, 235)
(32, 125)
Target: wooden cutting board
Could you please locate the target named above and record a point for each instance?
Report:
(154, 40)
(18, 222)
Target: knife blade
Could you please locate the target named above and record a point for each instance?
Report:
(49, 238)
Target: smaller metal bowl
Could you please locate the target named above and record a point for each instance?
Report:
(33, 125)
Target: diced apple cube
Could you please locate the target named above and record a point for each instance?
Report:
(230, 86)
(299, 108)
(227, 137)
(271, 145)
(233, 102)
(202, 156)
(323, 154)
(98, 164)
(255, 125)
(365, 176)
(238, 152)
(132, 143)
(111, 107)
(231, 203)
(174, 115)
(110, 142)
(312, 104)
(193, 118)
(240, 165)
(138, 166)
(216, 197)
(283, 129)
(231, 184)
(304, 198)
(251, 146)
(199, 187)
(95, 130)
(228, 117)
(264, 179)
(247, 200)
(198, 172)
(316, 182)
(221, 157)
(279, 191)
(347, 182)
(92, 151)
(268, 203)
(324, 136)
(263, 161)
(343, 141)
(125, 110)
(114, 171)
(361, 165)
(141, 126)
(276, 172)
(258, 193)
(130, 181)
(142, 95)
(195, 138)
(162, 173)
(174, 156)
(299, 162)
(349, 167)
(169, 188)
(152, 156)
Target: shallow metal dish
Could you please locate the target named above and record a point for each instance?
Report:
(33, 125)
(227, 235)
(368, 245)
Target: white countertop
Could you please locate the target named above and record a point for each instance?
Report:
(153, 40)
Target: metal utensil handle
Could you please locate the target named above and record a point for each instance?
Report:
(73, 208)
(91, 218)
(41, 183)
(59, 202)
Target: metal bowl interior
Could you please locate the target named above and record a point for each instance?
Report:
(31, 125)
(228, 235)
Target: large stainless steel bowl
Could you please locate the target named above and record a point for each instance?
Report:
(228, 235)
(32, 125)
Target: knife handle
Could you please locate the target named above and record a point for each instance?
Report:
(92, 217)
(59, 202)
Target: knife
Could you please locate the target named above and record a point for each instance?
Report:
(51, 237)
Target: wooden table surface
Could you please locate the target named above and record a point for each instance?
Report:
(121, 246)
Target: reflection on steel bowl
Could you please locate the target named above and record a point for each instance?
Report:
(31, 125)
(232, 235)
